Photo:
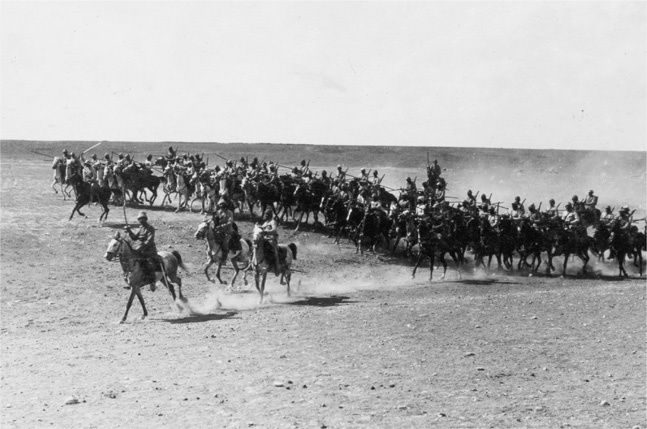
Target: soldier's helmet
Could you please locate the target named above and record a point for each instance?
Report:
(363, 170)
(483, 197)
(72, 154)
(408, 179)
(170, 149)
(121, 155)
(142, 215)
(149, 157)
(551, 201)
(324, 173)
(94, 156)
(531, 207)
(625, 209)
(339, 167)
(242, 159)
(569, 205)
(608, 208)
(574, 198)
(127, 157)
(65, 152)
(303, 162)
(469, 192)
(517, 199)
(375, 173)
(106, 156)
(230, 162)
(591, 192)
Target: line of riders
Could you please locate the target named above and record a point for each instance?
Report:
(361, 207)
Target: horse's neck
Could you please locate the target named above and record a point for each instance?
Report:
(127, 256)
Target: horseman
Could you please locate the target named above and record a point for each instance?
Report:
(570, 217)
(304, 168)
(625, 218)
(410, 187)
(608, 216)
(341, 174)
(520, 206)
(433, 173)
(515, 214)
(577, 205)
(421, 207)
(148, 164)
(534, 216)
(145, 248)
(171, 154)
(376, 178)
(325, 179)
(590, 201)
(363, 175)
(494, 219)
(551, 212)
(471, 199)
(270, 229)
(223, 221)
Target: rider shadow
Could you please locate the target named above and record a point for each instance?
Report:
(320, 301)
(202, 318)
(484, 282)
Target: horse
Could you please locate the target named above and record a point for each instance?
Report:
(214, 252)
(371, 223)
(621, 245)
(137, 180)
(176, 182)
(336, 213)
(432, 243)
(264, 260)
(87, 193)
(59, 177)
(531, 242)
(134, 275)
(568, 242)
(308, 200)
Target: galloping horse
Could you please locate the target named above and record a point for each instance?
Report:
(214, 252)
(264, 260)
(87, 193)
(568, 242)
(432, 243)
(59, 177)
(134, 275)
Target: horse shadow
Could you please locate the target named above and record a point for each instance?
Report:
(321, 301)
(201, 318)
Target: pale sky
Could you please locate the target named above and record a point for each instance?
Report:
(556, 75)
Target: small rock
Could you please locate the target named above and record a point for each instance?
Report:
(71, 400)
(283, 356)
(534, 317)
(441, 415)
(278, 384)
(469, 354)
(402, 407)
(480, 368)
(605, 403)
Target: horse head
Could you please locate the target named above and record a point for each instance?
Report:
(114, 247)
(202, 230)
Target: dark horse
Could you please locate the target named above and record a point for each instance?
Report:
(87, 193)
(433, 239)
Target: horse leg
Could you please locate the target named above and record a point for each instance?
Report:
(135, 291)
(299, 222)
(288, 275)
(442, 261)
(431, 265)
(236, 271)
(206, 269)
(220, 261)
(415, 267)
(566, 256)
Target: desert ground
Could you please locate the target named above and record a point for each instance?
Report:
(357, 344)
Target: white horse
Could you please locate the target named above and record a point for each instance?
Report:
(58, 177)
(176, 184)
(264, 260)
(215, 254)
(134, 275)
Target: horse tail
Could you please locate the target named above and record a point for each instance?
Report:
(293, 248)
(179, 259)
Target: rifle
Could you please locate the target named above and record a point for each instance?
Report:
(524, 200)
(380, 180)
(477, 194)
(91, 148)
(38, 153)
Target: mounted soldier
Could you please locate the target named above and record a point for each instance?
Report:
(534, 216)
(520, 206)
(625, 218)
(223, 222)
(570, 217)
(608, 216)
(270, 229)
(145, 248)
(551, 212)
(590, 201)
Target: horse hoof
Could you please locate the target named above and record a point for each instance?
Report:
(122, 321)
(530, 275)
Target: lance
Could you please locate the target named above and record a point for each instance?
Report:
(38, 153)
(477, 194)
(380, 181)
(91, 148)
(220, 156)
(614, 207)
(539, 208)
(428, 165)
(524, 200)
(490, 197)
(451, 197)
